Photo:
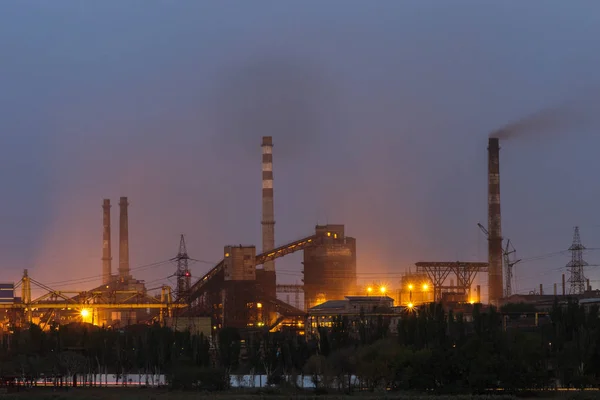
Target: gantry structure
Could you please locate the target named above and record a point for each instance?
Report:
(438, 272)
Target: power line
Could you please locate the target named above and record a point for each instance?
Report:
(96, 277)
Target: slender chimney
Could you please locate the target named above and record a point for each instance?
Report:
(563, 285)
(494, 224)
(268, 217)
(123, 240)
(268, 213)
(106, 244)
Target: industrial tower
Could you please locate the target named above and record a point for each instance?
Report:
(184, 277)
(495, 250)
(268, 216)
(576, 279)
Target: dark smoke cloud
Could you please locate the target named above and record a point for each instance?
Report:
(578, 114)
(284, 97)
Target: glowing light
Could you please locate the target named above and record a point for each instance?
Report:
(328, 233)
(471, 301)
(382, 289)
(410, 286)
(425, 286)
(258, 305)
(369, 289)
(85, 313)
(410, 305)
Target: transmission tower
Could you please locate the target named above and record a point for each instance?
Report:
(508, 267)
(508, 263)
(184, 277)
(576, 278)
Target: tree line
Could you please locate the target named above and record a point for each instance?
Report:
(432, 350)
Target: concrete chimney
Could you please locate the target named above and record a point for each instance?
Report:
(268, 213)
(495, 283)
(106, 244)
(123, 240)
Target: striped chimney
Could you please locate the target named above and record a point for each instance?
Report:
(106, 244)
(495, 284)
(123, 240)
(268, 217)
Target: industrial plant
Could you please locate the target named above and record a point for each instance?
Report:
(241, 290)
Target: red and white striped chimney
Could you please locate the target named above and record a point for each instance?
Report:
(268, 213)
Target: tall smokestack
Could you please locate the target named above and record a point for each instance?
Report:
(106, 244)
(123, 240)
(495, 283)
(268, 214)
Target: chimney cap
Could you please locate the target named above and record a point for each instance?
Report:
(493, 143)
(267, 141)
(106, 202)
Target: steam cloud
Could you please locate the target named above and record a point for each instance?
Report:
(581, 113)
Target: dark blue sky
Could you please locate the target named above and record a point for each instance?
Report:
(380, 113)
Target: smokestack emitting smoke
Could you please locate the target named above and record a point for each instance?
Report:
(495, 284)
(268, 213)
(106, 244)
(579, 113)
(123, 240)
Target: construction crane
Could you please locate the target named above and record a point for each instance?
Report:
(508, 264)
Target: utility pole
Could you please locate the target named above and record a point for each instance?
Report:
(575, 266)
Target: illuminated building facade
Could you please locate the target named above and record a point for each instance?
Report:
(329, 267)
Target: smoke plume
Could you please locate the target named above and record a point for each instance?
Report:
(578, 114)
(283, 97)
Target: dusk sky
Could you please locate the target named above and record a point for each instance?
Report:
(379, 111)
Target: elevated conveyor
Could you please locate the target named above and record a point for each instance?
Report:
(216, 273)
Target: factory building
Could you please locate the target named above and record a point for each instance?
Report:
(351, 307)
(329, 266)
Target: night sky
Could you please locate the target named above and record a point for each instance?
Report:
(379, 111)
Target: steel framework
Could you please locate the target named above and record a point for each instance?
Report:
(577, 278)
(438, 272)
(184, 277)
(96, 299)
